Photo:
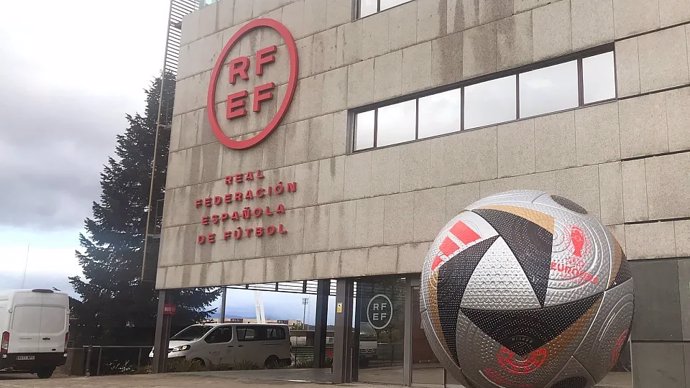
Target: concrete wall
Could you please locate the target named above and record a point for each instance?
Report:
(375, 212)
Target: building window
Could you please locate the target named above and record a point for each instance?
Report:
(537, 89)
(370, 7)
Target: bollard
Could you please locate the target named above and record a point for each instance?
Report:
(88, 361)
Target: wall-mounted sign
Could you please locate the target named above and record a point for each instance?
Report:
(242, 102)
(379, 311)
(169, 309)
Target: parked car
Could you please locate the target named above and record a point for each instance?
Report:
(34, 326)
(261, 344)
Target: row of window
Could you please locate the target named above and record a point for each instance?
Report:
(370, 7)
(246, 333)
(566, 85)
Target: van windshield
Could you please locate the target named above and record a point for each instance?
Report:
(191, 333)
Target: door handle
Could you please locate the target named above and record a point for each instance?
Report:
(46, 338)
(239, 346)
(231, 346)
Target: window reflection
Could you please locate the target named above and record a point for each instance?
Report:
(385, 4)
(490, 102)
(439, 113)
(396, 123)
(367, 7)
(364, 130)
(599, 78)
(549, 89)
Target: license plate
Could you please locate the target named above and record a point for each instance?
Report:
(26, 358)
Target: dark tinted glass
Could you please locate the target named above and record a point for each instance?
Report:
(219, 335)
(490, 102)
(191, 333)
(396, 123)
(549, 89)
(439, 113)
(599, 77)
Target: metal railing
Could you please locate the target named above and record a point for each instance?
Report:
(89, 350)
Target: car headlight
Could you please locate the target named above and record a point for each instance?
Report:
(180, 348)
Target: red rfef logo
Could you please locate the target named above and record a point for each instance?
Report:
(241, 103)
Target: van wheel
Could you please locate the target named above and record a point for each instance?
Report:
(45, 372)
(272, 362)
(198, 363)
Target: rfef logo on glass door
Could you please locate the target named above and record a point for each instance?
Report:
(252, 83)
(379, 311)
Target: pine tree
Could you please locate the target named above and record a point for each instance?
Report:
(114, 298)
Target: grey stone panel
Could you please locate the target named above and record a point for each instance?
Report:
(650, 240)
(174, 277)
(349, 45)
(304, 50)
(302, 267)
(296, 142)
(663, 59)
(470, 156)
(429, 213)
(416, 165)
(611, 193)
(416, 68)
(314, 18)
(552, 30)
(340, 132)
(323, 51)
(360, 83)
(398, 219)
(353, 262)
(316, 221)
(385, 171)
(411, 257)
(597, 134)
(311, 96)
(293, 18)
(678, 117)
(388, 75)
(446, 59)
(673, 12)
(273, 149)
(254, 271)
(277, 269)
(431, 19)
(554, 138)
(375, 40)
(658, 365)
(292, 242)
(357, 175)
(327, 265)
(684, 292)
(544, 181)
(635, 16)
(459, 196)
(643, 127)
(382, 260)
(335, 87)
(634, 190)
(657, 302)
(369, 222)
(515, 40)
(627, 67)
(618, 232)
(342, 217)
(526, 5)
(306, 176)
(402, 27)
(200, 55)
(191, 93)
(199, 24)
(682, 232)
(580, 184)
(338, 12)
(592, 23)
(331, 179)
(479, 50)
(667, 184)
(516, 154)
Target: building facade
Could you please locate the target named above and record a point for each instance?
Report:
(332, 139)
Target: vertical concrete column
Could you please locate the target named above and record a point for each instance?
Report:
(321, 322)
(342, 347)
(407, 335)
(160, 345)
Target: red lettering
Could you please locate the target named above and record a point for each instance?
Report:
(215, 219)
(218, 200)
(250, 176)
(280, 209)
(201, 239)
(260, 174)
(212, 238)
(239, 178)
(262, 93)
(198, 203)
(205, 220)
(235, 216)
(249, 231)
(264, 57)
(261, 192)
(228, 180)
(271, 230)
(224, 217)
(235, 105)
(249, 195)
(239, 66)
(281, 229)
(208, 202)
(259, 231)
(292, 187)
(238, 196)
(268, 211)
(258, 212)
(228, 198)
(227, 235)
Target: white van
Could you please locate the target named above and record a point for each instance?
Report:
(233, 344)
(34, 325)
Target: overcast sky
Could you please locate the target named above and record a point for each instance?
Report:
(70, 70)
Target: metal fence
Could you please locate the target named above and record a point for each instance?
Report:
(115, 359)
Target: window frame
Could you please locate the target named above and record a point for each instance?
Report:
(577, 56)
(358, 9)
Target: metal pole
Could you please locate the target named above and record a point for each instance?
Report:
(87, 370)
(320, 323)
(305, 303)
(407, 336)
(223, 299)
(98, 366)
(139, 359)
(160, 346)
(343, 332)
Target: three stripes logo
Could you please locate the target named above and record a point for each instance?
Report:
(459, 236)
